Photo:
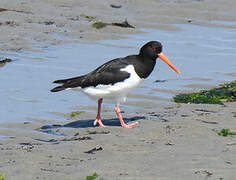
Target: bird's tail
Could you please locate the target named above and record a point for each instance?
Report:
(58, 88)
(68, 83)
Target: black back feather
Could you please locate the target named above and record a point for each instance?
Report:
(108, 73)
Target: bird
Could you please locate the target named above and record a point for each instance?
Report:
(116, 78)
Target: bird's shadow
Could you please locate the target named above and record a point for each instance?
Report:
(89, 123)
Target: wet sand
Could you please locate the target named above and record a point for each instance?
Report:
(31, 25)
(172, 141)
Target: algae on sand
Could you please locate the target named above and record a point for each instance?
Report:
(93, 177)
(213, 96)
(89, 18)
(75, 113)
(226, 132)
(99, 25)
(2, 177)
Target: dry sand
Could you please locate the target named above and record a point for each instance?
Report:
(172, 141)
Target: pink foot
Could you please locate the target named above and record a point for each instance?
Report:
(117, 109)
(131, 125)
(98, 119)
(99, 122)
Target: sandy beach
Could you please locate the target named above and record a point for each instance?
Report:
(171, 142)
(30, 25)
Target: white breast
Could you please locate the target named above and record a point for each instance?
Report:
(117, 91)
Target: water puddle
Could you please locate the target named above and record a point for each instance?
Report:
(204, 55)
(6, 137)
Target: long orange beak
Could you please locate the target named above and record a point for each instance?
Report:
(163, 57)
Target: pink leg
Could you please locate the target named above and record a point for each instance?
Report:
(117, 109)
(98, 118)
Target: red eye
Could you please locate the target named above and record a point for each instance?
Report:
(154, 48)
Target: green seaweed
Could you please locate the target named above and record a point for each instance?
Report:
(97, 132)
(2, 177)
(4, 61)
(90, 132)
(89, 18)
(213, 96)
(75, 113)
(93, 177)
(197, 98)
(231, 85)
(124, 24)
(99, 25)
(226, 132)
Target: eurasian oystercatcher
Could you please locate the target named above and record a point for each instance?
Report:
(116, 78)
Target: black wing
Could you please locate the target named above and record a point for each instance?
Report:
(108, 73)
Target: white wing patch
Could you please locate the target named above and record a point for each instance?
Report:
(117, 91)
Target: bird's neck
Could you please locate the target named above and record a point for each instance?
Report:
(145, 66)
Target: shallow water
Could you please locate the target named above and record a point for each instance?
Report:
(205, 56)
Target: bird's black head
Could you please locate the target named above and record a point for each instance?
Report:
(151, 50)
